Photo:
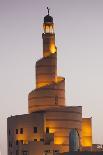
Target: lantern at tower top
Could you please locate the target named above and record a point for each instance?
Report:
(48, 25)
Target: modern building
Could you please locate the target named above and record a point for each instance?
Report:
(50, 127)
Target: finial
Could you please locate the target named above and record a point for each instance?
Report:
(48, 10)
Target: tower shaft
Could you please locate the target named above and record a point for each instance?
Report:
(50, 89)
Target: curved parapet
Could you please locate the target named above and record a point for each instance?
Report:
(50, 95)
(46, 70)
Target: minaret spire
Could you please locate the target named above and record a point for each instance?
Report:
(48, 10)
(50, 89)
(48, 35)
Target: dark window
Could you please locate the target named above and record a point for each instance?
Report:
(21, 141)
(56, 151)
(47, 130)
(56, 99)
(21, 130)
(35, 139)
(9, 132)
(9, 144)
(16, 131)
(47, 151)
(17, 152)
(41, 139)
(25, 153)
(35, 129)
(16, 142)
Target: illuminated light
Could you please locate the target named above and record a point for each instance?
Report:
(86, 132)
(51, 130)
(51, 29)
(25, 141)
(58, 140)
(46, 54)
(42, 85)
(59, 79)
(47, 29)
(86, 142)
(52, 48)
(21, 137)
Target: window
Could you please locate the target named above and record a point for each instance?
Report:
(17, 152)
(35, 139)
(21, 141)
(21, 130)
(47, 130)
(25, 142)
(56, 151)
(9, 144)
(25, 153)
(35, 129)
(9, 132)
(47, 151)
(41, 139)
(17, 142)
(16, 131)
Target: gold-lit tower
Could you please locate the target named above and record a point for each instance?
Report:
(50, 89)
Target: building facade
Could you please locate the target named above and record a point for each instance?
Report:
(50, 126)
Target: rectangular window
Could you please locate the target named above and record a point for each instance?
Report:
(9, 144)
(16, 131)
(47, 151)
(35, 129)
(21, 141)
(17, 142)
(25, 153)
(35, 140)
(41, 139)
(17, 152)
(21, 130)
(56, 151)
(9, 132)
(47, 130)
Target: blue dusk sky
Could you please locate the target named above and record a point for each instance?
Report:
(79, 39)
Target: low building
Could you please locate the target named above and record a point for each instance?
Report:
(49, 127)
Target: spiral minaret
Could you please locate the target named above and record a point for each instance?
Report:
(50, 88)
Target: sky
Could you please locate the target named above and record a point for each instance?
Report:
(79, 39)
